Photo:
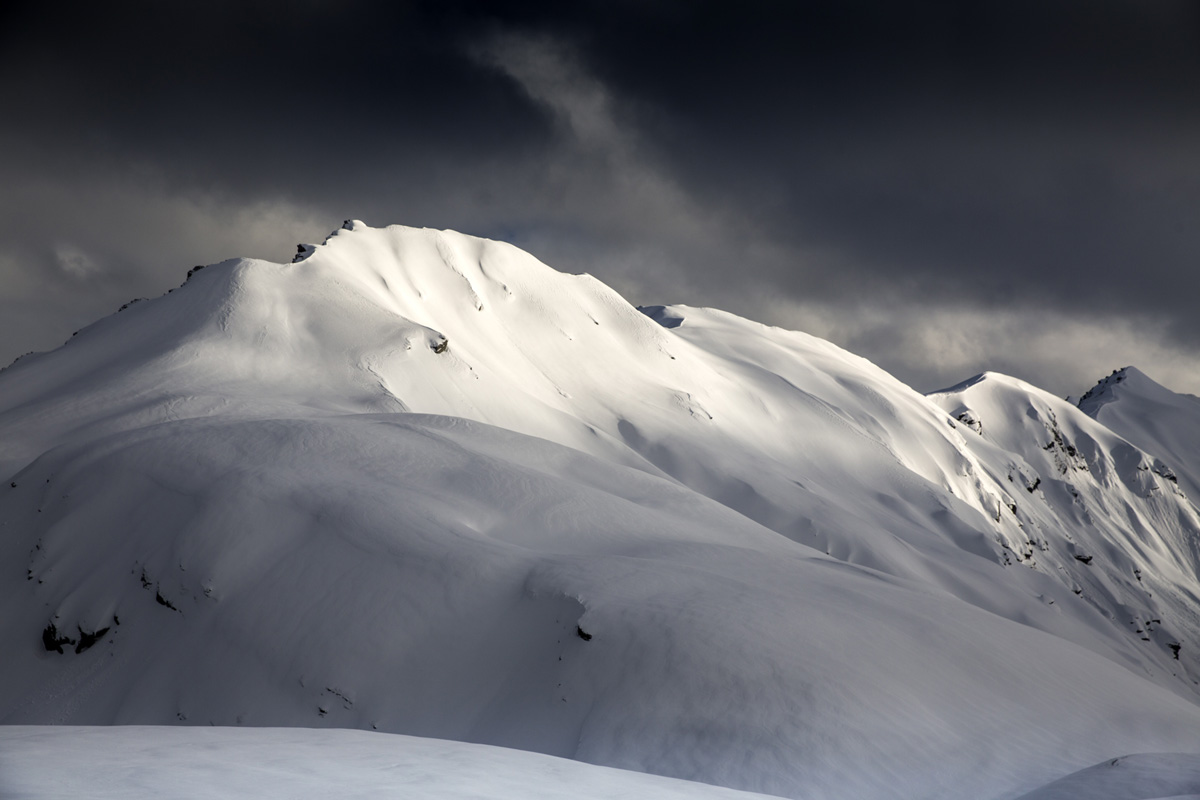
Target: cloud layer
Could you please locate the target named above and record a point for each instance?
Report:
(943, 191)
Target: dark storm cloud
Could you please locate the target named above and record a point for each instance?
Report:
(1054, 144)
(252, 96)
(955, 187)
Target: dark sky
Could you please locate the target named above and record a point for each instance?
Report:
(947, 189)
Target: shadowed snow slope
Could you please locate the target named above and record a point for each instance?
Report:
(421, 483)
(1145, 776)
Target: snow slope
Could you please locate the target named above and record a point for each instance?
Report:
(296, 763)
(1141, 776)
(1097, 513)
(433, 576)
(1154, 418)
(421, 483)
(149, 763)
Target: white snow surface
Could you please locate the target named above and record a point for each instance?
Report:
(1099, 514)
(421, 483)
(148, 763)
(1141, 776)
(1152, 417)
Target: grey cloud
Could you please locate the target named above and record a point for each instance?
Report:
(889, 172)
(126, 240)
(935, 346)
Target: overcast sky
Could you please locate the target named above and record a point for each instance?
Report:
(968, 186)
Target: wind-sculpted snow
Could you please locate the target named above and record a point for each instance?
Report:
(421, 483)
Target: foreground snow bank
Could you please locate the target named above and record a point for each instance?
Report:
(132, 763)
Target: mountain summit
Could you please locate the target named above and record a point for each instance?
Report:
(1153, 417)
(420, 482)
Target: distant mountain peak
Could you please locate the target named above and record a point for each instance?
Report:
(1104, 391)
(987, 377)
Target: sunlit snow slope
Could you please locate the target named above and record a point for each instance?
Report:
(1094, 511)
(420, 482)
(1152, 417)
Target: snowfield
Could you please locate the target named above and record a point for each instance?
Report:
(131, 763)
(420, 483)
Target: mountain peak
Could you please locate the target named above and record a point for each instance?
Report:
(304, 250)
(1105, 390)
(1152, 417)
(989, 377)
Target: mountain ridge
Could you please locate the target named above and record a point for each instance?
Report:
(410, 448)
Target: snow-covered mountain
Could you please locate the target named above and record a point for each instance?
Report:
(1152, 417)
(1099, 514)
(421, 483)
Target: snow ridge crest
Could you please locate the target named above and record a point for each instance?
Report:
(1103, 392)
